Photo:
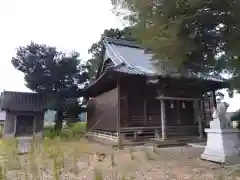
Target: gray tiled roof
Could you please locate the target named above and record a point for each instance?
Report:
(21, 101)
(135, 60)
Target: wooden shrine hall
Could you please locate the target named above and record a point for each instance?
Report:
(131, 98)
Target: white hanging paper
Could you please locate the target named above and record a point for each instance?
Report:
(183, 105)
(172, 106)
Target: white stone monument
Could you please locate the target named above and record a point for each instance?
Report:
(223, 144)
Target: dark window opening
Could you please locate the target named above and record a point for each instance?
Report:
(25, 125)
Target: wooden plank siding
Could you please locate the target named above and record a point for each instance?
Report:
(208, 109)
(102, 112)
(140, 108)
(23, 101)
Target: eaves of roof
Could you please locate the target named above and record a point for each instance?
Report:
(23, 101)
(134, 60)
(102, 77)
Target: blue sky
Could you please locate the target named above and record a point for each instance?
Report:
(67, 24)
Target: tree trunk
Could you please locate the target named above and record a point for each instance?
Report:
(58, 122)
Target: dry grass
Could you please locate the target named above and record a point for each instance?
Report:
(57, 159)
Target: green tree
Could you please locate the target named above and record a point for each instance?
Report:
(201, 35)
(57, 75)
(96, 48)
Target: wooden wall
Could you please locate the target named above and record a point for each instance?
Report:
(139, 106)
(9, 126)
(132, 97)
(102, 111)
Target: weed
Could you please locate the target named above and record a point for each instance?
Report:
(123, 178)
(1, 172)
(25, 173)
(221, 177)
(113, 162)
(100, 156)
(11, 154)
(88, 160)
(75, 166)
(149, 155)
(98, 174)
(155, 149)
(33, 161)
(56, 168)
(131, 154)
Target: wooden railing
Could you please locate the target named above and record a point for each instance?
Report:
(151, 120)
(181, 131)
(155, 131)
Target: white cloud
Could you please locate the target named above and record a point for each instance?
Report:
(66, 24)
(233, 102)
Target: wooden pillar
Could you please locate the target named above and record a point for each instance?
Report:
(145, 111)
(163, 119)
(34, 125)
(178, 107)
(198, 117)
(204, 116)
(202, 111)
(214, 99)
(4, 127)
(127, 111)
(15, 126)
(118, 116)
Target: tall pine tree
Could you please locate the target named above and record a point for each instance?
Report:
(96, 48)
(57, 75)
(201, 35)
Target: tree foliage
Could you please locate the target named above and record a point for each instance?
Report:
(201, 35)
(96, 48)
(52, 72)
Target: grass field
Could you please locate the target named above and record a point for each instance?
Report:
(72, 156)
(80, 159)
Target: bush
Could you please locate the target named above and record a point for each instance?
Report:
(79, 126)
(75, 130)
(78, 129)
(236, 116)
(49, 132)
(66, 133)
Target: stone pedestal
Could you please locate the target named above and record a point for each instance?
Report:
(222, 146)
(24, 144)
